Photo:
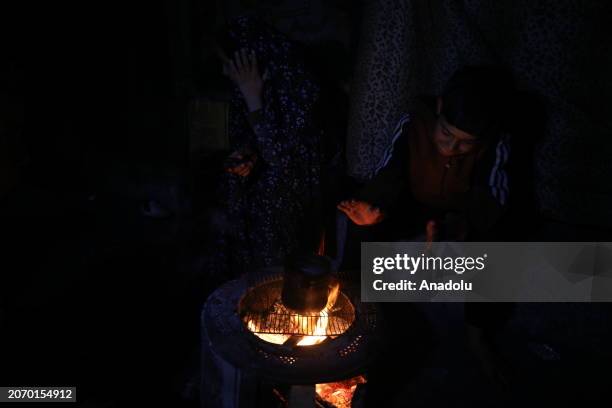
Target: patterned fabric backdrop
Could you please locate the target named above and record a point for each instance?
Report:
(559, 49)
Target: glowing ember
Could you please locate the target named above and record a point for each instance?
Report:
(312, 327)
(339, 394)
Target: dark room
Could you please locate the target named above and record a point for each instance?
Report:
(306, 203)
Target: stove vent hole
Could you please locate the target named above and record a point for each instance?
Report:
(351, 348)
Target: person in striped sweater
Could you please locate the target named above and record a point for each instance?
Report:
(444, 177)
(446, 166)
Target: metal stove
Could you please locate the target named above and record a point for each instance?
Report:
(250, 337)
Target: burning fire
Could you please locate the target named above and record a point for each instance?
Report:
(312, 327)
(340, 394)
(320, 331)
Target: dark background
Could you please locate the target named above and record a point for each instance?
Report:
(89, 294)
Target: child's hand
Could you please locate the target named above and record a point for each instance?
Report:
(361, 213)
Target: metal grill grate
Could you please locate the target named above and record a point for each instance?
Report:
(262, 312)
(295, 324)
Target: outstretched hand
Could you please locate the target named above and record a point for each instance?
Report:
(361, 213)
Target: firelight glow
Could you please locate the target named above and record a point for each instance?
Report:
(313, 334)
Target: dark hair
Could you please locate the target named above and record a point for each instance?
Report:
(477, 100)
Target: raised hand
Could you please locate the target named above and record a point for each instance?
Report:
(243, 70)
(361, 213)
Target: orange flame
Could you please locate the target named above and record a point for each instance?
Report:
(320, 330)
(312, 333)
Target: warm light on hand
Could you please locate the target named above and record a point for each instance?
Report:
(361, 213)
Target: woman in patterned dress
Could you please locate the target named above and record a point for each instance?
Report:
(271, 190)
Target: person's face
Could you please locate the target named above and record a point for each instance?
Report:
(451, 141)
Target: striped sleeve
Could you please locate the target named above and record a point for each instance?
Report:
(388, 180)
(498, 178)
(388, 153)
